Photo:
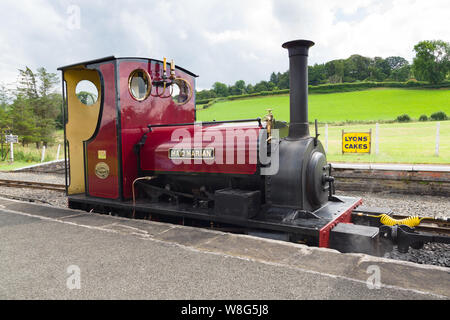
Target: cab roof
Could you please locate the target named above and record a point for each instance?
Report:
(112, 58)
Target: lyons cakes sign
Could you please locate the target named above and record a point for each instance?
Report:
(356, 142)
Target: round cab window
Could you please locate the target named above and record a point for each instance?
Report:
(181, 91)
(139, 84)
(86, 92)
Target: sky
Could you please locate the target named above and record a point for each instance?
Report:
(221, 41)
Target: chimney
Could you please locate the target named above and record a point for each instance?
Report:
(298, 83)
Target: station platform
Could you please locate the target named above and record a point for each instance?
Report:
(120, 258)
(392, 166)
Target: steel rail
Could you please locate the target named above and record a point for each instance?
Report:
(439, 226)
(32, 185)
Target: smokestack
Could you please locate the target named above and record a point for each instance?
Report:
(298, 80)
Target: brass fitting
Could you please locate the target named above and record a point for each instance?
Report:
(270, 123)
(172, 70)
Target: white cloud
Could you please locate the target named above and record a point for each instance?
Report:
(221, 41)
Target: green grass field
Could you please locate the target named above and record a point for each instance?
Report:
(381, 104)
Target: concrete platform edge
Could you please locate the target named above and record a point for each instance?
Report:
(402, 275)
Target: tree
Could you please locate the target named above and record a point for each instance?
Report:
(47, 82)
(22, 120)
(221, 89)
(48, 104)
(396, 62)
(316, 74)
(379, 70)
(283, 80)
(262, 86)
(205, 94)
(274, 78)
(432, 61)
(400, 68)
(334, 71)
(238, 88)
(240, 84)
(35, 107)
(402, 73)
(356, 68)
(3, 98)
(5, 122)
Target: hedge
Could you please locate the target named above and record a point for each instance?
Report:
(338, 87)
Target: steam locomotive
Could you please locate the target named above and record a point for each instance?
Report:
(138, 150)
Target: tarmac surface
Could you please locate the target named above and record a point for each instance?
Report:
(53, 253)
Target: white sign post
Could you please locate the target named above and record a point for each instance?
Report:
(57, 152)
(11, 152)
(11, 139)
(43, 154)
(436, 152)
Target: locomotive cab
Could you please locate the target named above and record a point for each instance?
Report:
(132, 94)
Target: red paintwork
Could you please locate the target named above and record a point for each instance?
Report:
(137, 115)
(106, 139)
(345, 217)
(154, 155)
(134, 118)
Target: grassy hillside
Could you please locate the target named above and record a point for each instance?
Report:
(369, 105)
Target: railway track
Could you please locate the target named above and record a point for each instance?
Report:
(429, 225)
(32, 185)
(434, 183)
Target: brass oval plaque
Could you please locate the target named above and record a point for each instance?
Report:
(102, 170)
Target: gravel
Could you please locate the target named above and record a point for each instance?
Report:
(34, 177)
(51, 197)
(437, 207)
(437, 254)
(404, 204)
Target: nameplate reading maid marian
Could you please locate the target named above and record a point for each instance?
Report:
(193, 153)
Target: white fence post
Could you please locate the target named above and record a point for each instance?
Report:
(436, 152)
(326, 137)
(57, 152)
(43, 154)
(11, 152)
(376, 139)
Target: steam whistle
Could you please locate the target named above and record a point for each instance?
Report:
(165, 68)
(172, 70)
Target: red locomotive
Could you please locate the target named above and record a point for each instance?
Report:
(138, 150)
